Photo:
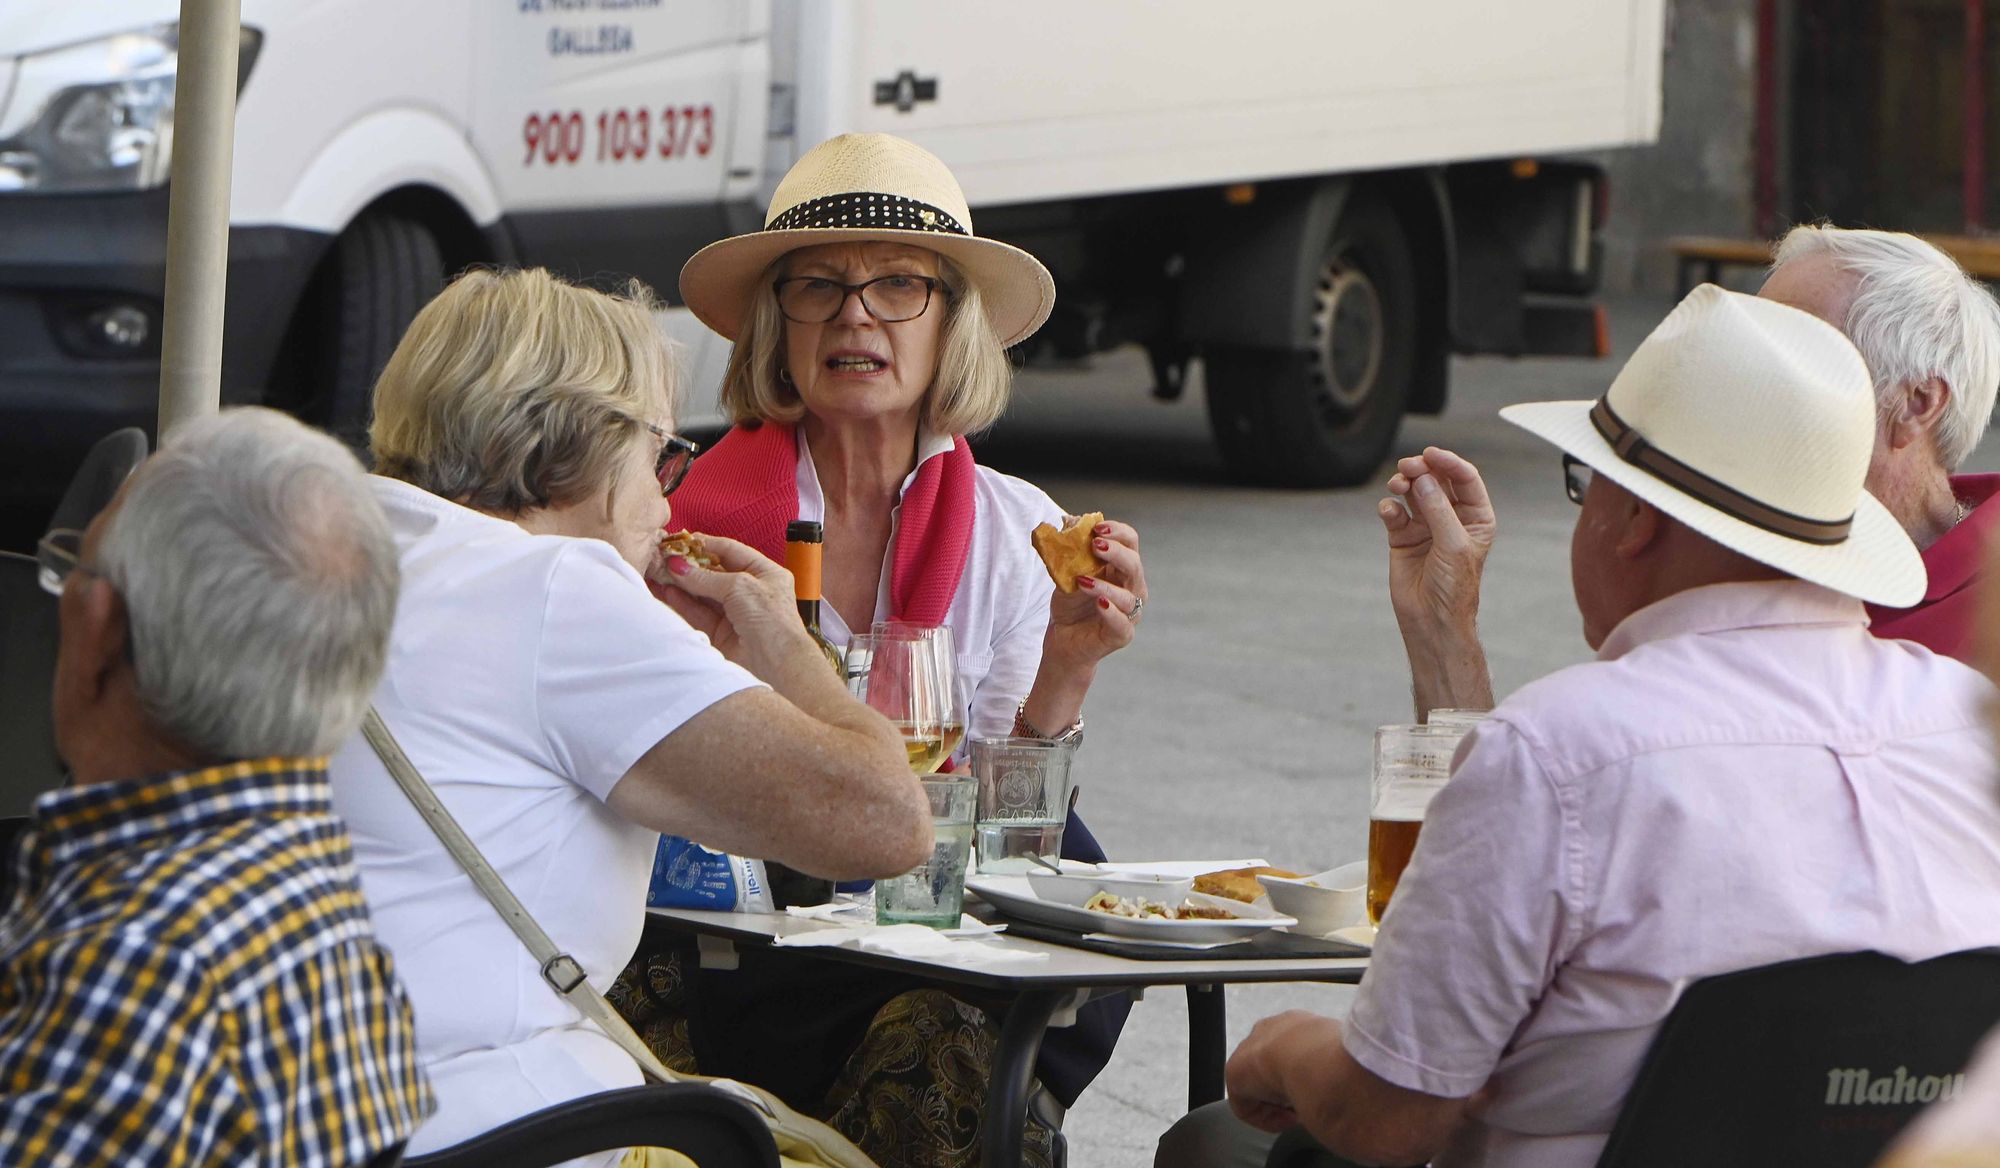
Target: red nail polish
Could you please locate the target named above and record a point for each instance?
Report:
(1086, 582)
(679, 565)
(1104, 603)
(1104, 545)
(1103, 529)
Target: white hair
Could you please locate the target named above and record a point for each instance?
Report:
(1916, 315)
(259, 580)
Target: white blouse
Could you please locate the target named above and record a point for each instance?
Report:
(1001, 611)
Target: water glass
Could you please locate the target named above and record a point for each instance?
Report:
(1411, 766)
(933, 893)
(1024, 793)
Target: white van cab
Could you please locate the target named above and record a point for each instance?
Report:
(1320, 201)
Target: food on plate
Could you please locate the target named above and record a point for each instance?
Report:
(1138, 906)
(687, 545)
(1239, 883)
(1066, 553)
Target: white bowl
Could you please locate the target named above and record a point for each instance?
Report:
(1330, 900)
(1075, 889)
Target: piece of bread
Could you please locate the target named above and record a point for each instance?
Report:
(687, 545)
(1066, 553)
(1238, 883)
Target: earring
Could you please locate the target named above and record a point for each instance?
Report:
(784, 375)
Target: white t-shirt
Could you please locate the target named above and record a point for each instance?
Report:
(526, 674)
(1001, 610)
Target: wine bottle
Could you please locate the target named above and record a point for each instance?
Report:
(803, 543)
(803, 540)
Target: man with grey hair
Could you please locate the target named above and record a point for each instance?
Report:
(1930, 335)
(192, 977)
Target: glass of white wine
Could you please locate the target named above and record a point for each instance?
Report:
(907, 685)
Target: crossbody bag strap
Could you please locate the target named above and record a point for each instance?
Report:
(563, 973)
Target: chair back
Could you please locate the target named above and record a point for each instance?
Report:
(713, 1129)
(1820, 1061)
(28, 764)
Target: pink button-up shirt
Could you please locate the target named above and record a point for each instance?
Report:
(1744, 776)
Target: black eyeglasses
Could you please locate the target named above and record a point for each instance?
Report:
(889, 299)
(1576, 478)
(676, 455)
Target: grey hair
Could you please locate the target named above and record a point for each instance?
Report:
(259, 582)
(1916, 316)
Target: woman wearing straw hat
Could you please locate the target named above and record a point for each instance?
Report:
(870, 327)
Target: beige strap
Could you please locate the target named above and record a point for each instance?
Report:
(563, 973)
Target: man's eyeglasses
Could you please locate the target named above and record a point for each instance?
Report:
(676, 455)
(1576, 479)
(889, 299)
(58, 554)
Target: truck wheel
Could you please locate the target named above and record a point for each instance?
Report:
(1326, 417)
(380, 271)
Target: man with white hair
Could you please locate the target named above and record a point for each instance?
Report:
(1930, 335)
(1744, 776)
(191, 975)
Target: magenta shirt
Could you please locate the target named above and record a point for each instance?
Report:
(1744, 776)
(1944, 620)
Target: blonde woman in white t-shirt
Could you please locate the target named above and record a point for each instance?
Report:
(524, 450)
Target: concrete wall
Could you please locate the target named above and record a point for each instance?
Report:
(1700, 177)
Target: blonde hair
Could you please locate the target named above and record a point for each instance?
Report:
(968, 394)
(515, 389)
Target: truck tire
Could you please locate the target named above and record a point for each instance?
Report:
(1326, 417)
(378, 273)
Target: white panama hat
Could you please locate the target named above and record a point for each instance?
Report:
(863, 187)
(1752, 423)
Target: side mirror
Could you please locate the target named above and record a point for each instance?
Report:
(98, 478)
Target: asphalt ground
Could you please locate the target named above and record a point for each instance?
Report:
(1240, 722)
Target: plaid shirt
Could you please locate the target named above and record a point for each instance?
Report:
(188, 976)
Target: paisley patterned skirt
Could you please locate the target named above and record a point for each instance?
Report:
(909, 1095)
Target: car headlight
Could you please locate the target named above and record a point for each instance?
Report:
(98, 115)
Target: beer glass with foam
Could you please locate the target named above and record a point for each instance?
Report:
(1411, 765)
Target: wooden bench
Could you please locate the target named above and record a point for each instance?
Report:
(1979, 256)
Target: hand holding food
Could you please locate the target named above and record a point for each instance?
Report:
(742, 601)
(688, 546)
(1100, 590)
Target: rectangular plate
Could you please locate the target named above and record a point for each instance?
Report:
(1012, 896)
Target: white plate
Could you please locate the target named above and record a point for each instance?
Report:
(1013, 896)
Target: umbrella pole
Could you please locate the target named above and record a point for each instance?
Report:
(198, 212)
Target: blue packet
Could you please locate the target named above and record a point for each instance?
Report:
(687, 875)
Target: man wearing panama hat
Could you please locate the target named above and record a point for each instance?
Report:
(1743, 776)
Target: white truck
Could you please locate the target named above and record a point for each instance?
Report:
(1321, 199)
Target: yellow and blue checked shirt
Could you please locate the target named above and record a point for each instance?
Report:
(188, 976)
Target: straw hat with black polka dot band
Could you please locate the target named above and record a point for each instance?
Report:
(860, 187)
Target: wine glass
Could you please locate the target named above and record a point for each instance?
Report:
(904, 686)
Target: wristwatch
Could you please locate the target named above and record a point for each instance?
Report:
(1072, 735)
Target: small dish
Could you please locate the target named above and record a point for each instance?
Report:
(1080, 887)
(1324, 902)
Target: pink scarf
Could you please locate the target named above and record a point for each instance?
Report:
(746, 488)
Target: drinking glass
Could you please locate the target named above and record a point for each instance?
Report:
(1024, 791)
(1411, 766)
(933, 893)
(907, 684)
(857, 660)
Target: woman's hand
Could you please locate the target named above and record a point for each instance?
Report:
(746, 610)
(1100, 617)
(1085, 627)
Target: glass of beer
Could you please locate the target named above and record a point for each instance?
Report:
(1411, 765)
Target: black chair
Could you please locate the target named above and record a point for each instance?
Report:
(708, 1126)
(28, 765)
(1820, 1061)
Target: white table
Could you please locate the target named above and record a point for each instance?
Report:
(1045, 993)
